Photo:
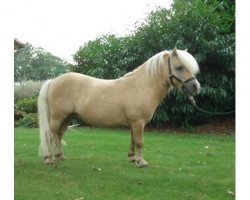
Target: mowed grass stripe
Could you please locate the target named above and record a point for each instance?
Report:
(181, 166)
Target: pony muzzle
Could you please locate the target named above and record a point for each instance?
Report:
(191, 87)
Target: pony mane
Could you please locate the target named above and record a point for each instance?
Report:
(133, 72)
(156, 65)
(187, 60)
(153, 66)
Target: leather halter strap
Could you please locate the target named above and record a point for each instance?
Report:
(172, 76)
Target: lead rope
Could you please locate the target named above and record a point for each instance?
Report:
(207, 112)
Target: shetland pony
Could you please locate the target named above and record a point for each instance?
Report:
(127, 101)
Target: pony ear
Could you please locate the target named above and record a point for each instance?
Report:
(186, 50)
(165, 54)
(174, 52)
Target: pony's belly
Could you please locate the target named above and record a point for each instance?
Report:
(104, 119)
(108, 124)
(104, 123)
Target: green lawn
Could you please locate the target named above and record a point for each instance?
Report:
(181, 166)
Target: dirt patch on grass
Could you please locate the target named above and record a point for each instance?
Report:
(214, 126)
(219, 126)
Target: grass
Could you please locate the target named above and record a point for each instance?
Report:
(181, 166)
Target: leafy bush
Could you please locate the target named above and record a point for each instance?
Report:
(106, 57)
(27, 105)
(205, 28)
(28, 120)
(25, 112)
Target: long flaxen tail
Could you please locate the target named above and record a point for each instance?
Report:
(47, 143)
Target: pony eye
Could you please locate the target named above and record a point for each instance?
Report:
(179, 68)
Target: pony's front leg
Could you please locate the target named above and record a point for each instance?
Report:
(137, 131)
(140, 162)
(131, 153)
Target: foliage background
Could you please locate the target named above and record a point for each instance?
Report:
(32, 63)
(205, 27)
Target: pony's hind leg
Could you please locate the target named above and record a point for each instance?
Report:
(61, 132)
(55, 125)
(137, 129)
(131, 153)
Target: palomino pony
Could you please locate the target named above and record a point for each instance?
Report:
(127, 101)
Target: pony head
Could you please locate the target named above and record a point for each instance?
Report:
(182, 68)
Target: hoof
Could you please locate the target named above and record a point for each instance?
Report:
(48, 160)
(60, 157)
(132, 158)
(141, 163)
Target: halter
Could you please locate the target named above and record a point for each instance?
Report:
(172, 76)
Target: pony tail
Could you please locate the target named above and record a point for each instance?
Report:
(46, 139)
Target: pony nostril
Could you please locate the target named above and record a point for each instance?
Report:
(195, 87)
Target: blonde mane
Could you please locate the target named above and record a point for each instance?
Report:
(152, 67)
(134, 71)
(157, 65)
(187, 60)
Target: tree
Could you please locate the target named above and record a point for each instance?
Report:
(22, 62)
(32, 63)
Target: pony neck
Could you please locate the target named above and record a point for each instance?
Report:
(159, 86)
(156, 86)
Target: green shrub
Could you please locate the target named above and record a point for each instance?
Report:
(18, 115)
(25, 112)
(27, 105)
(28, 120)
